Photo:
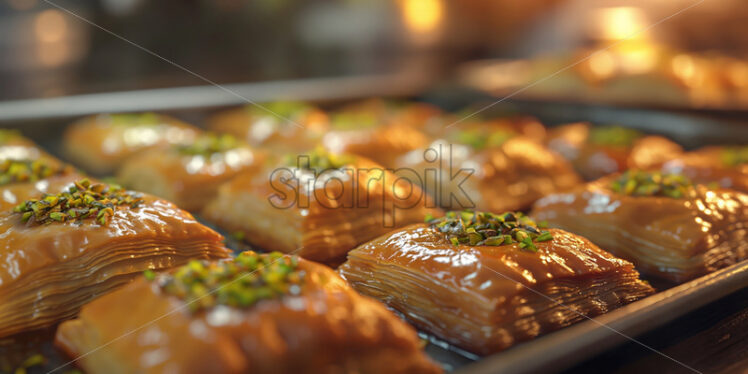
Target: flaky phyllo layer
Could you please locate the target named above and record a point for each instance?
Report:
(319, 214)
(674, 236)
(485, 298)
(506, 176)
(272, 314)
(55, 258)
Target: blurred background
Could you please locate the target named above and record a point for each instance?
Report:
(48, 52)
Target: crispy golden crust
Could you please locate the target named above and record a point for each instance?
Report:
(190, 181)
(48, 271)
(593, 161)
(509, 177)
(487, 298)
(101, 143)
(328, 328)
(320, 221)
(707, 166)
(15, 193)
(676, 239)
(274, 134)
(382, 144)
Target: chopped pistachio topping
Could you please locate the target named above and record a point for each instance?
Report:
(652, 183)
(483, 228)
(319, 160)
(480, 139)
(615, 136)
(135, 119)
(735, 156)
(281, 110)
(81, 201)
(247, 279)
(7, 135)
(354, 119)
(209, 144)
(30, 362)
(18, 171)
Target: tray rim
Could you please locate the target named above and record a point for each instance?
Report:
(563, 348)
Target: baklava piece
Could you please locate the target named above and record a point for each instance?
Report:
(488, 169)
(484, 282)
(727, 166)
(319, 206)
(21, 180)
(253, 314)
(603, 150)
(189, 174)
(279, 127)
(370, 135)
(470, 124)
(667, 226)
(60, 251)
(100, 144)
(14, 146)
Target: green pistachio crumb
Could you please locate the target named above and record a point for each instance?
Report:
(483, 228)
(652, 183)
(80, 201)
(242, 282)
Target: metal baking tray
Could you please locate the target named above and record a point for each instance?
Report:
(514, 77)
(44, 120)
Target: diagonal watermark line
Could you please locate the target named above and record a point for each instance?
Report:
(175, 310)
(541, 80)
(152, 53)
(593, 320)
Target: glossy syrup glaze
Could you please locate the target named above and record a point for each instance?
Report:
(327, 328)
(482, 297)
(278, 135)
(101, 143)
(318, 216)
(594, 160)
(47, 271)
(190, 181)
(707, 165)
(494, 272)
(676, 239)
(509, 177)
(15, 193)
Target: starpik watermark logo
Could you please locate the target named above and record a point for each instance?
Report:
(430, 181)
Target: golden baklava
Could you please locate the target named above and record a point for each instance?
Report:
(279, 127)
(100, 144)
(372, 135)
(596, 151)
(21, 180)
(14, 146)
(663, 223)
(726, 166)
(254, 314)
(59, 251)
(488, 169)
(189, 174)
(485, 282)
(319, 205)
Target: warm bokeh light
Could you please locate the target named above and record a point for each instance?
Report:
(50, 26)
(621, 23)
(423, 16)
(637, 56)
(684, 68)
(602, 64)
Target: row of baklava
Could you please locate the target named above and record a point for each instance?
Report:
(481, 280)
(69, 241)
